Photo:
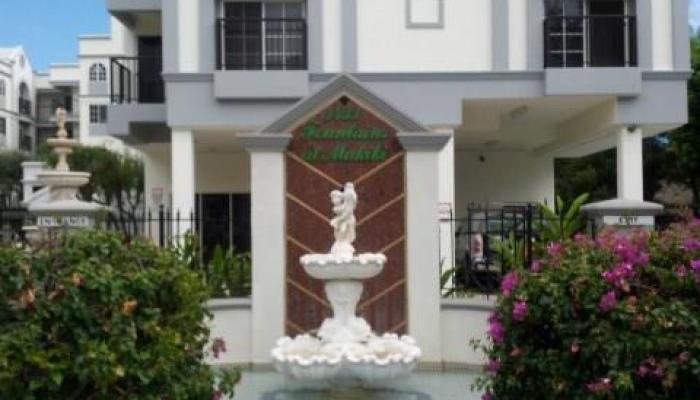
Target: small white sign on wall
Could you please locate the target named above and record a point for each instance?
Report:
(73, 221)
(628, 220)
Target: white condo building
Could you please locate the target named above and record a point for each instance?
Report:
(253, 110)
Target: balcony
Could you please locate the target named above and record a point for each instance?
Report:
(137, 80)
(137, 90)
(261, 44)
(25, 107)
(261, 58)
(590, 41)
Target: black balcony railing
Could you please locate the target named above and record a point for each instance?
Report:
(590, 41)
(261, 44)
(137, 80)
(25, 107)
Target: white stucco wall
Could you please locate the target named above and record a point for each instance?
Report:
(156, 176)
(232, 323)
(332, 35)
(662, 34)
(502, 177)
(459, 325)
(517, 34)
(385, 44)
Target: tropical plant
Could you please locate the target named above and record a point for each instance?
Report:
(229, 273)
(96, 316)
(615, 318)
(561, 222)
(513, 252)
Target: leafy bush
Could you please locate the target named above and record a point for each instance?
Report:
(615, 318)
(95, 317)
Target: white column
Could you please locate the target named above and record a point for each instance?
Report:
(662, 34)
(423, 230)
(188, 35)
(630, 166)
(182, 165)
(447, 203)
(517, 35)
(267, 185)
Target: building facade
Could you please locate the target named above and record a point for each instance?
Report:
(250, 109)
(17, 100)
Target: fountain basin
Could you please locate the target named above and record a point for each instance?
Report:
(60, 179)
(308, 359)
(343, 267)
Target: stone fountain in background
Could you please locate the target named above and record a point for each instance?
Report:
(345, 350)
(59, 207)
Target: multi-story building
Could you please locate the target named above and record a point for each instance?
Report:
(255, 109)
(17, 99)
(58, 87)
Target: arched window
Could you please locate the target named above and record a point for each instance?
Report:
(2, 87)
(98, 73)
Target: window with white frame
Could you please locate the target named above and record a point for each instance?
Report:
(98, 72)
(263, 35)
(98, 114)
(425, 13)
(3, 126)
(2, 87)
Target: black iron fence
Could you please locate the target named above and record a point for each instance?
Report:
(137, 80)
(590, 41)
(261, 44)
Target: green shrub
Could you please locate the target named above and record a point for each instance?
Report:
(615, 318)
(95, 317)
(229, 273)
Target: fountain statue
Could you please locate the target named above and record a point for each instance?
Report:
(345, 349)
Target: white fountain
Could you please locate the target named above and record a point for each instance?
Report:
(345, 349)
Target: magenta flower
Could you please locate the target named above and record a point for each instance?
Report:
(487, 396)
(496, 331)
(620, 275)
(695, 266)
(493, 366)
(555, 249)
(691, 245)
(608, 301)
(536, 266)
(509, 283)
(520, 310)
(575, 347)
(218, 395)
(681, 271)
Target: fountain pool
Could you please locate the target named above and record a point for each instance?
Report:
(454, 385)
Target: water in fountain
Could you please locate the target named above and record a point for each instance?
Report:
(345, 349)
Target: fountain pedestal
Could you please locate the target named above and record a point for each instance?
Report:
(345, 348)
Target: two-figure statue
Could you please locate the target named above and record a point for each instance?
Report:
(344, 203)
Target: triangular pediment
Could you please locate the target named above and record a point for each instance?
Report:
(343, 85)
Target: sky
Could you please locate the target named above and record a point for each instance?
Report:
(49, 29)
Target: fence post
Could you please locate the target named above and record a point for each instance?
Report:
(529, 236)
(161, 226)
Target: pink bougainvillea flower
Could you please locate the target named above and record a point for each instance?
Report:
(608, 301)
(218, 395)
(695, 266)
(681, 271)
(509, 283)
(487, 396)
(536, 266)
(516, 352)
(493, 366)
(520, 310)
(600, 386)
(620, 275)
(497, 332)
(691, 244)
(555, 249)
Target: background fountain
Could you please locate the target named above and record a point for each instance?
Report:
(345, 349)
(59, 208)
